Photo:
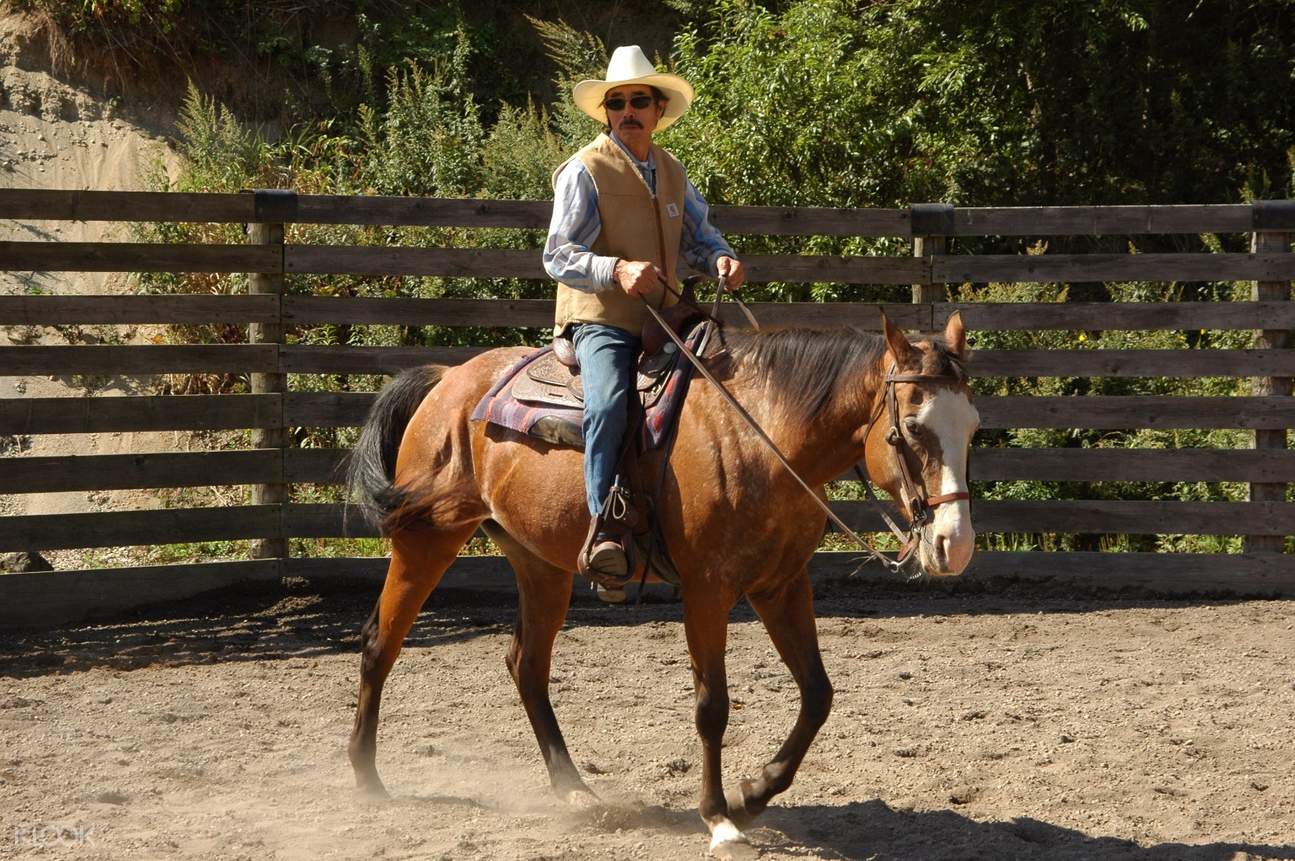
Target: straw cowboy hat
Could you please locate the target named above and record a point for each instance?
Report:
(629, 66)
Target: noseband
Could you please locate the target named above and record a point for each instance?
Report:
(920, 506)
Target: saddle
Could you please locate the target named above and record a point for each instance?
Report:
(543, 396)
(552, 380)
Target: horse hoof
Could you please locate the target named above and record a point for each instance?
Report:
(735, 798)
(582, 799)
(730, 844)
(373, 792)
(734, 850)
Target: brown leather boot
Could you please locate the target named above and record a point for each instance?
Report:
(604, 557)
(603, 560)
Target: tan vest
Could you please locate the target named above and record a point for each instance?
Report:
(635, 226)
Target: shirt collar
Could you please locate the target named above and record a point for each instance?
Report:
(650, 164)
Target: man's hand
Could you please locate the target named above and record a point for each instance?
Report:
(731, 269)
(637, 277)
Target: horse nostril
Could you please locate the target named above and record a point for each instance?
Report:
(942, 552)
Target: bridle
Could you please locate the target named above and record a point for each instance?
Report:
(920, 506)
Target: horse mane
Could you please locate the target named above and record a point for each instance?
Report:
(806, 367)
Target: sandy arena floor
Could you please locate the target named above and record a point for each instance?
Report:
(1014, 726)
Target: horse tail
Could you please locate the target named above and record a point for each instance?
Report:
(371, 467)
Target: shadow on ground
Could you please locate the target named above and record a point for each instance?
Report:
(873, 830)
(297, 618)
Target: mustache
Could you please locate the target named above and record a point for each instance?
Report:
(630, 123)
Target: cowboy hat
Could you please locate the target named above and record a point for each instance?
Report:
(628, 65)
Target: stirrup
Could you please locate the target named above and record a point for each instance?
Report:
(604, 558)
(609, 596)
(604, 561)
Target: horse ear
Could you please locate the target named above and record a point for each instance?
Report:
(899, 346)
(955, 336)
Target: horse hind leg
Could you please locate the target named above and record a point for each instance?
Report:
(419, 558)
(544, 592)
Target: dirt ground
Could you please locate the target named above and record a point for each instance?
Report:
(1011, 726)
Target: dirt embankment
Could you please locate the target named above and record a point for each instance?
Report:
(58, 133)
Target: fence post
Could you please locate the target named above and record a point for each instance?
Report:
(272, 208)
(1274, 226)
(931, 225)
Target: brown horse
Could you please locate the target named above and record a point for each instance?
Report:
(735, 523)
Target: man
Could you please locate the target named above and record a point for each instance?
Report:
(623, 213)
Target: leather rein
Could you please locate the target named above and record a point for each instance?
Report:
(919, 504)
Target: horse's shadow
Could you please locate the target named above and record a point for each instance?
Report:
(272, 621)
(874, 830)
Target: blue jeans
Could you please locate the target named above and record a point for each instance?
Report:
(606, 355)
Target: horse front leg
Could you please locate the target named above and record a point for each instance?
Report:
(706, 627)
(788, 616)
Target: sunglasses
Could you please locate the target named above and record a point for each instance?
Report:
(617, 103)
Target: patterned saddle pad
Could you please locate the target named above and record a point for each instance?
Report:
(544, 398)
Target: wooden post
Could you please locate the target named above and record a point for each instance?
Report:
(270, 204)
(1274, 223)
(931, 224)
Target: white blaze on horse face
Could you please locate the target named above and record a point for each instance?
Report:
(951, 417)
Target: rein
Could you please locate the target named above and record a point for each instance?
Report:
(714, 311)
(919, 505)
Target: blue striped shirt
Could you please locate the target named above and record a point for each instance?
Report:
(575, 226)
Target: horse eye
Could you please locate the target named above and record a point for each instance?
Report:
(912, 425)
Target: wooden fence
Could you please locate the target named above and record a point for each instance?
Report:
(273, 465)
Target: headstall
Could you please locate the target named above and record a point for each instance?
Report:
(919, 505)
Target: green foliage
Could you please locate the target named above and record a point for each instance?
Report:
(85, 16)
(221, 154)
(428, 140)
(520, 154)
(831, 102)
(577, 56)
(771, 91)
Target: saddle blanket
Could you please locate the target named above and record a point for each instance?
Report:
(541, 397)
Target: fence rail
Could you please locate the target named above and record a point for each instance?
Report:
(61, 473)
(151, 360)
(273, 410)
(538, 313)
(368, 260)
(247, 208)
(28, 416)
(333, 520)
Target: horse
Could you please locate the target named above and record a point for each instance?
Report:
(734, 522)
